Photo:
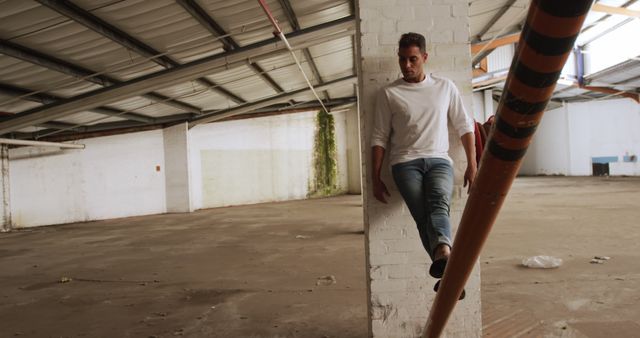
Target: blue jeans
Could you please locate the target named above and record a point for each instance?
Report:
(426, 185)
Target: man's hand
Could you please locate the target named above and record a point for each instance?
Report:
(380, 190)
(470, 175)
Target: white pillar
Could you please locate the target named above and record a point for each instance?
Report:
(353, 151)
(176, 163)
(5, 216)
(399, 288)
(488, 104)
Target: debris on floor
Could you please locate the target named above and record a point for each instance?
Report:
(302, 237)
(65, 280)
(326, 280)
(599, 259)
(542, 262)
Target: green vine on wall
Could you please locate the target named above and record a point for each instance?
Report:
(325, 164)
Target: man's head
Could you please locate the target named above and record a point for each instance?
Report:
(412, 55)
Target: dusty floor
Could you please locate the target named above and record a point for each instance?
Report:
(253, 271)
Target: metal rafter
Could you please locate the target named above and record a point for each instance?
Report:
(495, 19)
(245, 108)
(50, 62)
(201, 15)
(606, 31)
(67, 8)
(113, 128)
(293, 21)
(605, 17)
(260, 50)
(45, 98)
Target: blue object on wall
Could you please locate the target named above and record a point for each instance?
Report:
(630, 158)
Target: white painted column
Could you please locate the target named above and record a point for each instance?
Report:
(488, 104)
(176, 166)
(5, 216)
(353, 151)
(400, 289)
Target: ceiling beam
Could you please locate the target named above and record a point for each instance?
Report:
(50, 62)
(613, 92)
(264, 49)
(501, 12)
(598, 7)
(201, 15)
(245, 108)
(606, 31)
(81, 16)
(122, 127)
(490, 45)
(605, 17)
(45, 98)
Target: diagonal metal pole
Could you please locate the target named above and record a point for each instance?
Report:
(278, 33)
(545, 44)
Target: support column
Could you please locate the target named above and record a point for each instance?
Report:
(400, 290)
(5, 217)
(488, 104)
(176, 163)
(353, 151)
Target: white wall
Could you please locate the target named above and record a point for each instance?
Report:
(340, 123)
(568, 138)
(549, 152)
(219, 164)
(257, 160)
(113, 177)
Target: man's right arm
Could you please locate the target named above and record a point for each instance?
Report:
(379, 138)
(379, 188)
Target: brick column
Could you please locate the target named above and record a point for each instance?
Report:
(399, 287)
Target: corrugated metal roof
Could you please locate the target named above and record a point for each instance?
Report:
(170, 29)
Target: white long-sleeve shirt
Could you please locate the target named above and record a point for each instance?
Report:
(410, 119)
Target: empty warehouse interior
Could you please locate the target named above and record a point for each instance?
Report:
(202, 168)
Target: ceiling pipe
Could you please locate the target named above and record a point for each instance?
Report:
(40, 144)
(547, 40)
(278, 33)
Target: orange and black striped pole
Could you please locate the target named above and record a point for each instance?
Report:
(546, 42)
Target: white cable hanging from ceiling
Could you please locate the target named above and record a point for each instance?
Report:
(278, 32)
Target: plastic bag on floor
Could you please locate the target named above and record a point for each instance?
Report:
(542, 262)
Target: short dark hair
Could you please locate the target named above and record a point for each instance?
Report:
(413, 39)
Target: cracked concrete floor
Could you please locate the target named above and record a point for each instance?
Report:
(252, 271)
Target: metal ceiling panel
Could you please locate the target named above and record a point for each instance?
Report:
(245, 20)
(314, 12)
(13, 23)
(243, 80)
(27, 75)
(196, 94)
(72, 42)
(342, 91)
(281, 60)
(290, 76)
(88, 118)
(8, 104)
(333, 57)
(509, 21)
(141, 105)
(165, 26)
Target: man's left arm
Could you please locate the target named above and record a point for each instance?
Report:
(469, 144)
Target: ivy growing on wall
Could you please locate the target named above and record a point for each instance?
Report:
(325, 165)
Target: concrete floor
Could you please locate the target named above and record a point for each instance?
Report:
(256, 271)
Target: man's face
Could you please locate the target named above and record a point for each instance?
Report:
(411, 61)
